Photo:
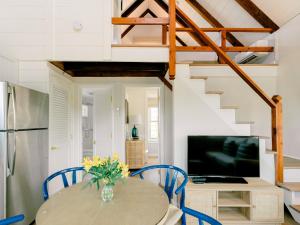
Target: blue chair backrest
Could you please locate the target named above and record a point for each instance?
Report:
(201, 217)
(171, 179)
(61, 173)
(11, 220)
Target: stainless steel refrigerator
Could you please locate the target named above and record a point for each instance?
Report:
(24, 119)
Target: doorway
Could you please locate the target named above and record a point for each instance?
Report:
(97, 122)
(144, 114)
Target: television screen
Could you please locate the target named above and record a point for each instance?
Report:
(226, 156)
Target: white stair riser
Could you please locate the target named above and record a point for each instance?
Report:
(243, 129)
(228, 114)
(292, 198)
(291, 175)
(267, 165)
(295, 214)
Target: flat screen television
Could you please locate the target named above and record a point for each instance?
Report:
(223, 156)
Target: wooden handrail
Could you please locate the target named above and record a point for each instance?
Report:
(275, 103)
(225, 49)
(232, 64)
(140, 21)
(227, 29)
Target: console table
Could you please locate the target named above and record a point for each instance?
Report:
(257, 203)
(135, 154)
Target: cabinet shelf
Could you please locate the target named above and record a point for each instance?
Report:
(233, 214)
(234, 199)
(233, 203)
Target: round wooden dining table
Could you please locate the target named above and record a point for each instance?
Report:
(135, 202)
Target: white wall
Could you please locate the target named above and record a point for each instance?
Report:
(25, 29)
(251, 107)
(288, 84)
(34, 75)
(93, 41)
(192, 115)
(9, 70)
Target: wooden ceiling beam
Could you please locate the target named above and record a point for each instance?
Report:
(118, 74)
(180, 20)
(180, 41)
(131, 8)
(150, 12)
(129, 28)
(258, 14)
(114, 66)
(212, 21)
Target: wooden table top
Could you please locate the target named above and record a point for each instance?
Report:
(135, 202)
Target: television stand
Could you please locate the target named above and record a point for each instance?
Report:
(208, 179)
(255, 203)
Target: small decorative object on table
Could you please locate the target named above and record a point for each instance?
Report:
(106, 171)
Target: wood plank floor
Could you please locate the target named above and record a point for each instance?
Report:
(288, 220)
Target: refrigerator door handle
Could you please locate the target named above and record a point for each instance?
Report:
(11, 165)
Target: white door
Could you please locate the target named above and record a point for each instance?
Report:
(103, 122)
(60, 127)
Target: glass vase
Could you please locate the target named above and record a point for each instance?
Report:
(107, 193)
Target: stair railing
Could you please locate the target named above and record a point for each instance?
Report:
(275, 102)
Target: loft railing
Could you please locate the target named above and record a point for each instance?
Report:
(275, 102)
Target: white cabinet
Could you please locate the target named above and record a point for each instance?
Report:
(203, 201)
(267, 206)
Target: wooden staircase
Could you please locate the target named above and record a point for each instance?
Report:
(178, 16)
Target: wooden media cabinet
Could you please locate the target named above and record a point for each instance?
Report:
(257, 203)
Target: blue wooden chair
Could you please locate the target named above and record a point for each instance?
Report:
(11, 220)
(61, 173)
(200, 216)
(171, 179)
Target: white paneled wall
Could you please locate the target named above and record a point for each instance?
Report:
(82, 30)
(34, 75)
(57, 30)
(25, 29)
(9, 70)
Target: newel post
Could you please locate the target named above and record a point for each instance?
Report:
(172, 39)
(277, 136)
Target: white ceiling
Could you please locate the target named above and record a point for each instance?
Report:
(280, 11)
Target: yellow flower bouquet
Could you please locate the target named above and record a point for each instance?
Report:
(107, 171)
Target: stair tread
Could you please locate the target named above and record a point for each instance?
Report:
(291, 163)
(199, 77)
(270, 151)
(230, 107)
(290, 186)
(296, 207)
(215, 92)
(244, 122)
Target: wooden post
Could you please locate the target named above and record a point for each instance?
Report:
(277, 137)
(164, 34)
(172, 39)
(223, 39)
(223, 45)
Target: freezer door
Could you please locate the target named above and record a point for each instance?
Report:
(3, 150)
(3, 105)
(28, 109)
(24, 188)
